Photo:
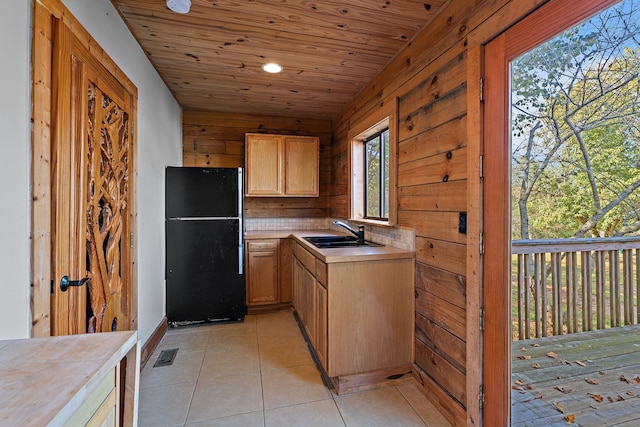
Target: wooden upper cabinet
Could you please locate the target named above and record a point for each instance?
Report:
(264, 163)
(301, 166)
(282, 165)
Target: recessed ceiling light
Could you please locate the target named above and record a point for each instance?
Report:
(272, 67)
(179, 6)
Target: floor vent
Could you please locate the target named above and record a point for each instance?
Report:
(166, 357)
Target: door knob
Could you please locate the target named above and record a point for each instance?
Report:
(65, 282)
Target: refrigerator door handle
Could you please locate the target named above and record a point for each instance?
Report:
(241, 217)
(240, 192)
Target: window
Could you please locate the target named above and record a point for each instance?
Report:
(373, 167)
(376, 173)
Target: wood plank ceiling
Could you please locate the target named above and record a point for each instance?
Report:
(211, 57)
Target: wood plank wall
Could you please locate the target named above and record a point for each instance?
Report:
(437, 120)
(211, 139)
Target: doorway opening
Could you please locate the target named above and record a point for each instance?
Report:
(562, 135)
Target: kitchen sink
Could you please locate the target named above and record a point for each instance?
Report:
(326, 242)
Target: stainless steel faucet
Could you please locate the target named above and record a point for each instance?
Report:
(359, 234)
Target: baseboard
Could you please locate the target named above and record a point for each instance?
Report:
(346, 384)
(152, 342)
(267, 308)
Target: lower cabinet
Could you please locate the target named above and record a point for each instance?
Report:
(357, 315)
(263, 278)
(268, 274)
(310, 299)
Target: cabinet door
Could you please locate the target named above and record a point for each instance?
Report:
(308, 285)
(286, 254)
(301, 166)
(263, 275)
(321, 324)
(264, 163)
(297, 288)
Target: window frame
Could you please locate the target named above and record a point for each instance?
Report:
(383, 172)
(369, 125)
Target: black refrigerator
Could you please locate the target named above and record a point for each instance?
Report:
(205, 279)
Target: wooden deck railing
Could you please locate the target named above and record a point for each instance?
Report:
(565, 286)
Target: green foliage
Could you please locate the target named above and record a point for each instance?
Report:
(377, 175)
(372, 157)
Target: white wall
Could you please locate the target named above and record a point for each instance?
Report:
(159, 144)
(15, 161)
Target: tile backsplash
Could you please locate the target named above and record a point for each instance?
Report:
(267, 224)
(398, 237)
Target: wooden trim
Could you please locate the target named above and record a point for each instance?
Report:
(62, 232)
(133, 214)
(373, 117)
(388, 112)
(58, 10)
(152, 343)
(131, 386)
(475, 72)
(549, 21)
(543, 24)
(497, 336)
(41, 173)
(393, 163)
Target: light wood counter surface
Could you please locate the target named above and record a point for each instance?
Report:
(44, 381)
(333, 255)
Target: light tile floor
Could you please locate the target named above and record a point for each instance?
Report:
(260, 373)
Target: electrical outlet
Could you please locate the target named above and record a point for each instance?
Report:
(462, 223)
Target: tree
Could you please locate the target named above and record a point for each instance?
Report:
(576, 130)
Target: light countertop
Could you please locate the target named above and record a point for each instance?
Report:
(43, 381)
(333, 255)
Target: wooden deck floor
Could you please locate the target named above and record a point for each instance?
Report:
(592, 376)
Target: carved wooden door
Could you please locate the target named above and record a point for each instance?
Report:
(92, 285)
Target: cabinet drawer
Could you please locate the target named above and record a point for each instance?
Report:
(107, 413)
(305, 257)
(95, 400)
(321, 272)
(262, 245)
